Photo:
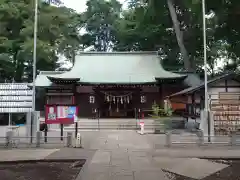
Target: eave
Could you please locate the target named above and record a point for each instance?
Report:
(57, 80)
(116, 84)
(171, 79)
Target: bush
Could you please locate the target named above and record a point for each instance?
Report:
(160, 115)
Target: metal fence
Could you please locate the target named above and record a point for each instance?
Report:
(150, 124)
(199, 139)
(38, 141)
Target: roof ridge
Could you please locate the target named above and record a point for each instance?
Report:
(51, 72)
(118, 52)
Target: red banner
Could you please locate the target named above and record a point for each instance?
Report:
(60, 114)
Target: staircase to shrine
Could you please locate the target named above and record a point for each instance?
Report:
(112, 124)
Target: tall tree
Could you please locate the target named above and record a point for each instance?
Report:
(99, 18)
(179, 36)
(57, 32)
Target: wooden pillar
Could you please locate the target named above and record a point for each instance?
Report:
(160, 92)
(74, 99)
(193, 109)
(202, 103)
(226, 85)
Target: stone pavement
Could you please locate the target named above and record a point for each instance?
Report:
(121, 165)
(190, 167)
(127, 155)
(209, 153)
(120, 155)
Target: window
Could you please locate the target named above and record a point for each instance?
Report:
(91, 99)
(143, 99)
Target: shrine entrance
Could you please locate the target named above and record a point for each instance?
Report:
(116, 104)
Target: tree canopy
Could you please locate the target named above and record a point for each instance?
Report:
(57, 34)
(171, 27)
(174, 29)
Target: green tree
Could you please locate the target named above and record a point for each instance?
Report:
(58, 33)
(99, 19)
(174, 28)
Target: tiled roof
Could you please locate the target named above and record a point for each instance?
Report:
(116, 68)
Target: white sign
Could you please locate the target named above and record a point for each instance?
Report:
(15, 98)
(15, 110)
(15, 92)
(14, 86)
(15, 104)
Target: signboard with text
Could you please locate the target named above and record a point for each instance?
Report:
(60, 114)
(15, 98)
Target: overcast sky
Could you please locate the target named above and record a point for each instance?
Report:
(79, 5)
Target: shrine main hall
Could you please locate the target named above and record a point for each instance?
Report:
(114, 84)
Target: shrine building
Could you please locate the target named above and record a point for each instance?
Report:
(113, 84)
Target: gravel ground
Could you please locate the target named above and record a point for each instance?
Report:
(230, 173)
(40, 171)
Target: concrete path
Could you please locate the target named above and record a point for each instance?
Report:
(121, 140)
(189, 167)
(213, 153)
(121, 165)
(126, 155)
(120, 155)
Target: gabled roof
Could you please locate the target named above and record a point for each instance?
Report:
(116, 68)
(42, 79)
(202, 85)
(192, 78)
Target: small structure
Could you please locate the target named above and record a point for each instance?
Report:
(224, 103)
(115, 84)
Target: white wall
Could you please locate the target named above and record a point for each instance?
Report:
(214, 90)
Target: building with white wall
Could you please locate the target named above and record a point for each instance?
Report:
(224, 104)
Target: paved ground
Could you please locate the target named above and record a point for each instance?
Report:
(113, 155)
(126, 155)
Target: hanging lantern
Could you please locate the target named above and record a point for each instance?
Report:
(121, 100)
(128, 99)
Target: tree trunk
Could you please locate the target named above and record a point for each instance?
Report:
(179, 36)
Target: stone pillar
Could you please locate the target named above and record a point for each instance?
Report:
(233, 139)
(168, 139)
(37, 120)
(9, 139)
(28, 124)
(200, 138)
(204, 125)
(38, 138)
(34, 123)
(69, 139)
